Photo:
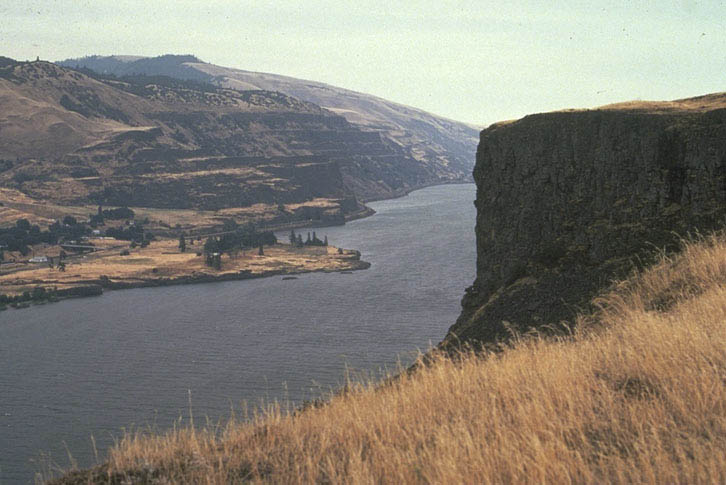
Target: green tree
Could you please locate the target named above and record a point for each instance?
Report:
(182, 243)
(293, 237)
(261, 252)
(229, 225)
(38, 293)
(325, 242)
(23, 224)
(211, 246)
(212, 254)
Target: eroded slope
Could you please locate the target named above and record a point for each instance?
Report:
(70, 138)
(431, 149)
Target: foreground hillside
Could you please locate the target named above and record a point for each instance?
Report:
(637, 394)
(435, 149)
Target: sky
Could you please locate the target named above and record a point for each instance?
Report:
(473, 61)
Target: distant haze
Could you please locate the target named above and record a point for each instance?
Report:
(473, 61)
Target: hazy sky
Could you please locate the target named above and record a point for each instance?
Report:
(476, 61)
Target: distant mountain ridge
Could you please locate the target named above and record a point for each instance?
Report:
(153, 141)
(444, 148)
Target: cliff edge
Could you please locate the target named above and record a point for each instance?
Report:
(569, 201)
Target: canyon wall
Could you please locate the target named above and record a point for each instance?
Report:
(72, 139)
(568, 201)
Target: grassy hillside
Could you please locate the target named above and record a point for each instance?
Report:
(637, 394)
(71, 139)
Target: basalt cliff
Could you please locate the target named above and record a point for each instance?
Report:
(567, 202)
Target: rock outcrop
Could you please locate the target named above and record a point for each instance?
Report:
(569, 201)
(75, 139)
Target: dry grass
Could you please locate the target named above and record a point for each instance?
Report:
(16, 205)
(162, 260)
(697, 104)
(637, 395)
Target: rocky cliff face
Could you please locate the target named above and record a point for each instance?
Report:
(567, 201)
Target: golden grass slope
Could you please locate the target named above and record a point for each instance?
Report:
(636, 395)
(698, 104)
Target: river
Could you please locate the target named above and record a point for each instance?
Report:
(132, 358)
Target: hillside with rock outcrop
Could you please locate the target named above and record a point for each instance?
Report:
(569, 201)
(70, 138)
(430, 149)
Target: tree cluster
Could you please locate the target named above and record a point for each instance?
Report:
(297, 240)
(37, 294)
(134, 232)
(23, 234)
(99, 219)
(244, 237)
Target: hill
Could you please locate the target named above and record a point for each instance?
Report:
(440, 149)
(70, 138)
(635, 396)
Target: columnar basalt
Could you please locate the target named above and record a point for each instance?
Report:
(569, 201)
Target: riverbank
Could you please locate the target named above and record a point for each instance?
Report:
(148, 269)
(404, 192)
(634, 395)
(130, 356)
(163, 264)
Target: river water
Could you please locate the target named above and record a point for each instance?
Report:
(132, 358)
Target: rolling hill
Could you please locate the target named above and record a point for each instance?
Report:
(67, 137)
(440, 148)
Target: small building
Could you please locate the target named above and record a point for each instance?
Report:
(38, 259)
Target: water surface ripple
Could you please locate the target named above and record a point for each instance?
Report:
(129, 358)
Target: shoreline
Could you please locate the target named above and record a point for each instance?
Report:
(354, 261)
(311, 224)
(97, 286)
(367, 211)
(330, 262)
(418, 187)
